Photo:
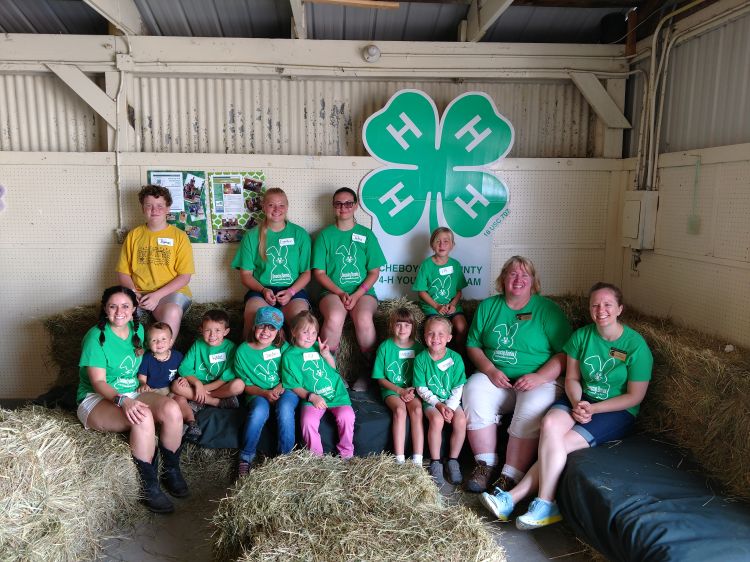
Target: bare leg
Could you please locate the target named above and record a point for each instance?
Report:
(107, 417)
(483, 441)
(334, 315)
(364, 326)
(166, 413)
(434, 432)
(170, 313)
(187, 412)
(417, 429)
(557, 440)
(521, 452)
(458, 433)
(398, 409)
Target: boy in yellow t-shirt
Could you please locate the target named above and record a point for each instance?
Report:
(156, 261)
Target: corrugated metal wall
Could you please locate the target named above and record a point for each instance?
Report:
(40, 113)
(708, 92)
(325, 117)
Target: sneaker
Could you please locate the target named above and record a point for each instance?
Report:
(540, 514)
(500, 503)
(505, 483)
(480, 478)
(436, 471)
(243, 468)
(360, 385)
(229, 403)
(193, 433)
(453, 472)
(195, 406)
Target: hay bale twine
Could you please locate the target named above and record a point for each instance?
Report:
(63, 488)
(303, 507)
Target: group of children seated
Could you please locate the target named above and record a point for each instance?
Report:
(271, 373)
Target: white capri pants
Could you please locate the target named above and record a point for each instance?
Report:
(485, 404)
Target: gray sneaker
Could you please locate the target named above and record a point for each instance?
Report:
(193, 433)
(436, 471)
(453, 472)
(195, 406)
(229, 403)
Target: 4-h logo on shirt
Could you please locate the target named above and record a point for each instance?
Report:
(268, 372)
(396, 371)
(438, 386)
(213, 369)
(349, 271)
(322, 385)
(434, 163)
(599, 386)
(125, 378)
(280, 273)
(505, 335)
(440, 289)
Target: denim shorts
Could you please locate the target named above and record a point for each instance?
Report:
(301, 294)
(607, 426)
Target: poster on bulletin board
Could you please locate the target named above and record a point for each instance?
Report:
(235, 203)
(189, 211)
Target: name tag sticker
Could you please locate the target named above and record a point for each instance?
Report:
(359, 238)
(271, 354)
(522, 316)
(311, 356)
(165, 241)
(217, 357)
(406, 354)
(286, 241)
(446, 364)
(446, 270)
(618, 353)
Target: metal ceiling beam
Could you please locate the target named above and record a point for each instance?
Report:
(123, 14)
(299, 19)
(482, 14)
(378, 4)
(581, 4)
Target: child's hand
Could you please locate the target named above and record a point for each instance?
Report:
(200, 392)
(450, 308)
(269, 296)
(323, 345)
(148, 302)
(318, 402)
(407, 394)
(443, 310)
(353, 299)
(446, 412)
(143, 388)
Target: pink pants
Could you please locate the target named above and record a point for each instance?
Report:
(310, 423)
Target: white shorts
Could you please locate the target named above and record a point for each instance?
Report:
(485, 404)
(90, 401)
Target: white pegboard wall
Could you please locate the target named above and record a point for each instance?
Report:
(732, 240)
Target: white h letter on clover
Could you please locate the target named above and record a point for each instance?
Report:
(477, 198)
(408, 126)
(391, 196)
(478, 137)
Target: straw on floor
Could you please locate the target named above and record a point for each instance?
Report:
(62, 488)
(302, 507)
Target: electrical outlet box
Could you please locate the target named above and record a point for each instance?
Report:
(639, 219)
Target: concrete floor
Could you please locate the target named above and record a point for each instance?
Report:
(186, 534)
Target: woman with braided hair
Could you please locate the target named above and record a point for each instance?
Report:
(108, 399)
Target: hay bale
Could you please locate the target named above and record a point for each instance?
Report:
(304, 507)
(63, 488)
(698, 399)
(199, 463)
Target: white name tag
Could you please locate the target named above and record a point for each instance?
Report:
(286, 241)
(217, 357)
(359, 238)
(165, 241)
(446, 270)
(406, 354)
(271, 354)
(446, 364)
(311, 356)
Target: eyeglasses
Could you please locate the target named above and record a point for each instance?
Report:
(343, 204)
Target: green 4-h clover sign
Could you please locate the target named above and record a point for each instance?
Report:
(433, 163)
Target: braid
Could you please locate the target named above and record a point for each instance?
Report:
(262, 234)
(100, 324)
(136, 339)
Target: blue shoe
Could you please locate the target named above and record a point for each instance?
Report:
(500, 503)
(540, 514)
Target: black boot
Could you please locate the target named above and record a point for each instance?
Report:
(151, 494)
(171, 476)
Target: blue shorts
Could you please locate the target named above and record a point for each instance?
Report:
(603, 427)
(301, 294)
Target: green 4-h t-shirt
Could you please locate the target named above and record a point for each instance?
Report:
(209, 362)
(305, 368)
(347, 255)
(441, 282)
(287, 255)
(440, 376)
(395, 364)
(117, 357)
(519, 342)
(258, 367)
(607, 366)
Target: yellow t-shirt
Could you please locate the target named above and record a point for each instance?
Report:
(153, 259)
